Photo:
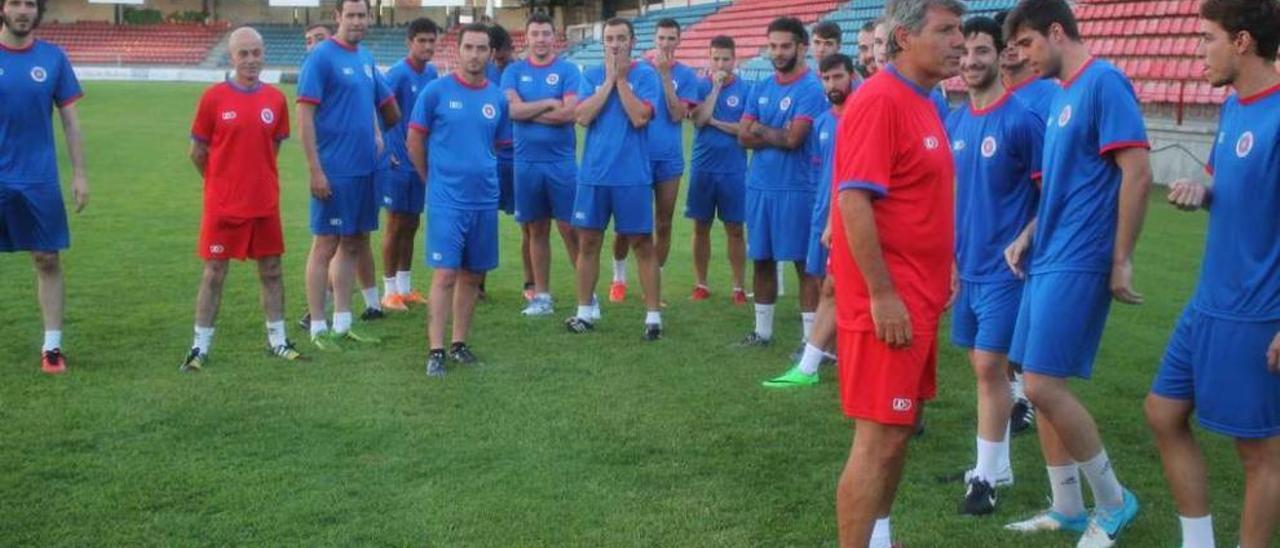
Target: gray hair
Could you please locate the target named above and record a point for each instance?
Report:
(910, 14)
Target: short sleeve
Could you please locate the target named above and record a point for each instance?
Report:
(203, 124)
(752, 111)
(587, 87)
(424, 110)
(687, 90)
(282, 126)
(703, 89)
(864, 154)
(381, 91)
(509, 79)
(572, 80)
(810, 104)
(1119, 118)
(1031, 142)
(645, 85)
(68, 88)
(311, 79)
(939, 99)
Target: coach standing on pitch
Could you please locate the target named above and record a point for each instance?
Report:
(891, 255)
(32, 216)
(235, 138)
(338, 90)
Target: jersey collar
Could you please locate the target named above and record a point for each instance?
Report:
(414, 65)
(1023, 83)
(465, 84)
(28, 47)
(535, 63)
(993, 106)
(343, 45)
(891, 69)
(231, 81)
(1259, 95)
(791, 80)
(1088, 62)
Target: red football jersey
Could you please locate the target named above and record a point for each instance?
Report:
(242, 128)
(892, 144)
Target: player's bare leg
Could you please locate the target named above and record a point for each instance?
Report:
(1261, 459)
(618, 288)
(1075, 434)
(736, 248)
(764, 282)
(322, 259)
(870, 479)
(465, 291)
(570, 237)
(49, 288)
(538, 234)
(391, 248)
(209, 296)
(271, 274)
(665, 194)
(1184, 466)
(701, 252)
(587, 273)
(650, 283)
(366, 275)
(526, 259)
(443, 284)
(804, 372)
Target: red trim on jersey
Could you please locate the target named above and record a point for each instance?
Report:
(1208, 169)
(748, 118)
(419, 128)
(569, 94)
(1023, 83)
(534, 62)
(308, 100)
(467, 85)
(987, 110)
(503, 143)
(389, 99)
(1037, 176)
(803, 117)
(26, 49)
(343, 45)
(414, 65)
(783, 81)
(72, 100)
(1259, 95)
(1067, 83)
(1121, 145)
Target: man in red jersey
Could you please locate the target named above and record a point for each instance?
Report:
(891, 255)
(234, 142)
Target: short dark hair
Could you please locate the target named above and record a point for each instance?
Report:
(836, 60)
(337, 4)
(480, 28)
(724, 42)
(668, 23)
(869, 26)
(1000, 16)
(615, 21)
(422, 25)
(540, 18)
(985, 25)
(791, 25)
(1039, 15)
(315, 26)
(499, 38)
(1259, 18)
(828, 30)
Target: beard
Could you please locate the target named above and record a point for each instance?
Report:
(837, 96)
(786, 66)
(4, 23)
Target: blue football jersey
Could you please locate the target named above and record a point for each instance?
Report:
(824, 132)
(557, 79)
(715, 151)
(344, 83)
(666, 138)
(1037, 93)
(32, 82)
(406, 81)
(776, 104)
(614, 151)
(463, 125)
(506, 150)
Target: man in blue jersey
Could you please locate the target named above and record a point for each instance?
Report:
(616, 103)
(1021, 81)
(316, 34)
(719, 169)
(1096, 177)
(838, 82)
(678, 97)
(340, 96)
(1223, 360)
(500, 56)
(403, 193)
(996, 142)
(542, 92)
(456, 127)
(824, 40)
(780, 187)
(38, 77)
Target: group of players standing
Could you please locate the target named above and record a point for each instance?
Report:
(1019, 211)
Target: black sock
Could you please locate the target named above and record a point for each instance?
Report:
(437, 352)
(456, 346)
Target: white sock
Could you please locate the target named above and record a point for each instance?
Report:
(404, 282)
(318, 327)
(275, 334)
(1065, 483)
(653, 317)
(371, 298)
(341, 322)
(584, 312)
(764, 320)
(881, 535)
(782, 282)
(1019, 393)
(1107, 491)
(542, 296)
(1197, 532)
(988, 464)
(203, 339)
(52, 340)
(811, 359)
(390, 286)
(806, 319)
(620, 271)
(1005, 463)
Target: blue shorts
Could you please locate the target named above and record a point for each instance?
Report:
(1060, 323)
(666, 170)
(630, 206)
(402, 191)
(506, 186)
(33, 218)
(351, 209)
(710, 193)
(815, 259)
(462, 239)
(545, 190)
(1221, 366)
(983, 315)
(778, 224)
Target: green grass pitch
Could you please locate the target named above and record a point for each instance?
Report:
(558, 440)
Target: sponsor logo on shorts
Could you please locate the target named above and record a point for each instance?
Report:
(901, 405)
(229, 115)
(579, 215)
(989, 147)
(39, 74)
(553, 79)
(335, 221)
(958, 145)
(1244, 145)
(1064, 116)
(217, 249)
(931, 143)
(437, 257)
(784, 104)
(267, 116)
(732, 100)
(489, 111)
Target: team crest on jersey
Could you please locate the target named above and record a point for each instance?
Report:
(931, 143)
(39, 74)
(1064, 116)
(958, 145)
(1244, 145)
(488, 111)
(267, 116)
(553, 79)
(732, 101)
(784, 104)
(368, 71)
(989, 147)
(228, 116)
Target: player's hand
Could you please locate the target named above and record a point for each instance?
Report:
(955, 287)
(80, 192)
(719, 78)
(663, 61)
(377, 140)
(320, 186)
(893, 323)
(1273, 355)
(395, 162)
(622, 67)
(1122, 283)
(825, 239)
(1014, 254)
(1187, 195)
(610, 67)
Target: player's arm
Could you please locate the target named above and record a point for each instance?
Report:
(676, 109)
(748, 137)
(1189, 195)
(307, 127)
(389, 111)
(416, 143)
(732, 128)
(638, 111)
(1016, 251)
(587, 110)
(75, 151)
(788, 138)
(199, 154)
(892, 322)
(702, 114)
(564, 113)
(523, 111)
(1135, 164)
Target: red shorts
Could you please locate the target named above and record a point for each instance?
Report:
(223, 238)
(886, 385)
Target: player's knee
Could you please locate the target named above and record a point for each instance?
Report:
(539, 229)
(1260, 457)
(47, 264)
(444, 277)
(702, 229)
(990, 372)
(214, 273)
(1041, 392)
(269, 270)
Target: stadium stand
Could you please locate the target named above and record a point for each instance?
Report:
(591, 52)
(745, 21)
(101, 43)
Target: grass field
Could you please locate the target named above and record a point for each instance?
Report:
(558, 440)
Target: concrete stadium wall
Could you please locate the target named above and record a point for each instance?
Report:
(1180, 151)
(79, 10)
